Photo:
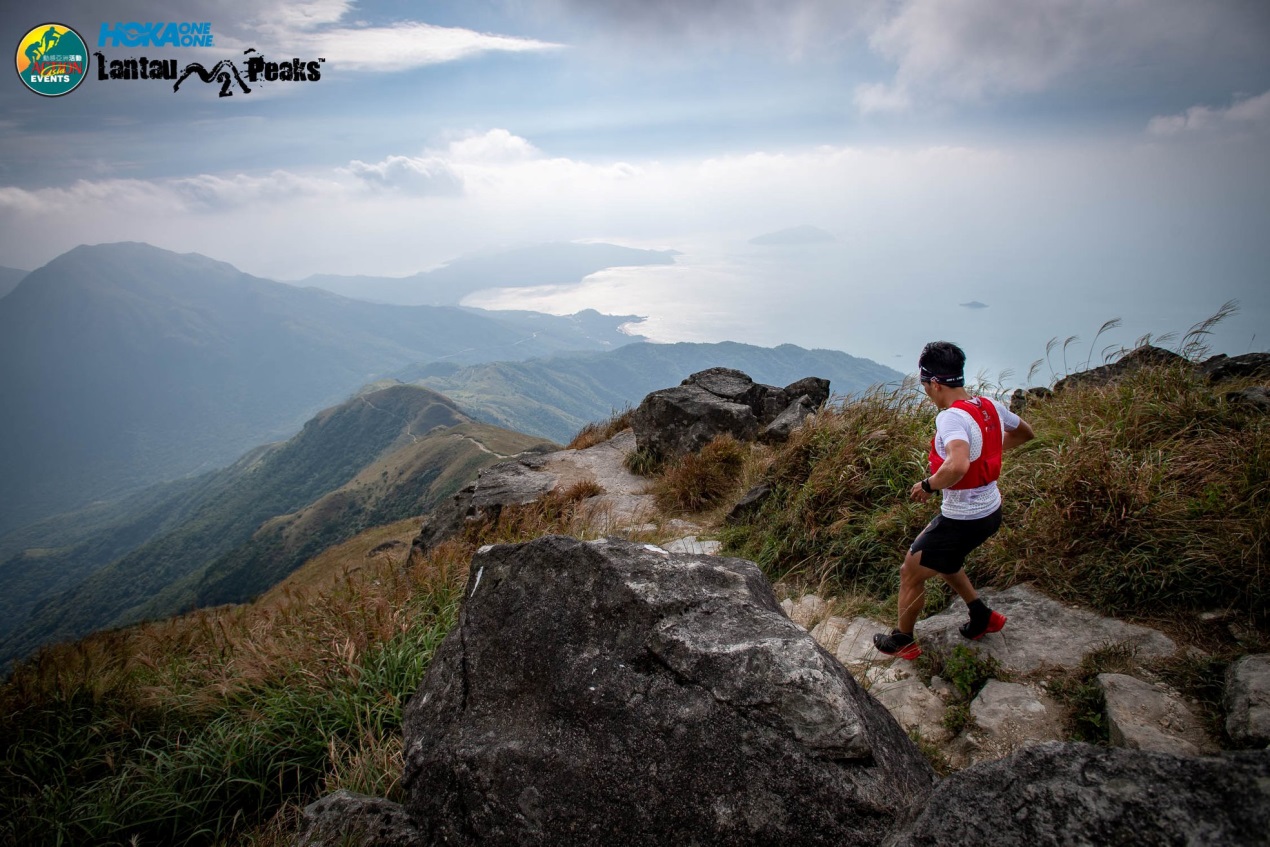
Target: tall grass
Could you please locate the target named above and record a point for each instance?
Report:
(839, 511)
(1150, 495)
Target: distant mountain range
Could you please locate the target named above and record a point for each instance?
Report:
(123, 364)
(541, 264)
(9, 279)
(556, 396)
(127, 370)
(230, 534)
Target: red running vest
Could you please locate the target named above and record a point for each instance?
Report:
(986, 468)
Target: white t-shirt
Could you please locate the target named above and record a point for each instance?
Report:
(957, 425)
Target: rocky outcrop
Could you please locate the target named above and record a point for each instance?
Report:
(780, 429)
(1248, 701)
(1216, 369)
(1020, 399)
(610, 692)
(1065, 795)
(1256, 398)
(1222, 367)
(722, 401)
(1135, 359)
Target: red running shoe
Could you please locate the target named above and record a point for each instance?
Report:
(996, 622)
(893, 646)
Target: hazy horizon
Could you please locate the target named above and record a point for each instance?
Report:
(1060, 163)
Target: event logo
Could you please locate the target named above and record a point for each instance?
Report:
(158, 34)
(224, 73)
(52, 60)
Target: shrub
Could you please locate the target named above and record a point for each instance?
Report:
(697, 481)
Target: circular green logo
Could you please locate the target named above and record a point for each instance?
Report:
(52, 60)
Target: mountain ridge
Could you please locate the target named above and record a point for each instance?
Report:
(226, 546)
(124, 364)
(556, 396)
(560, 263)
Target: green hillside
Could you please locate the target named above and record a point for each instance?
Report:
(9, 279)
(377, 458)
(556, 396)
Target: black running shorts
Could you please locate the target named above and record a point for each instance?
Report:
(945, 542)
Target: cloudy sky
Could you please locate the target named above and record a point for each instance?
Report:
(1063, 162)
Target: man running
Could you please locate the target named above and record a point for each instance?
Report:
(965, 460)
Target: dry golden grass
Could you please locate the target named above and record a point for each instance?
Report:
(699, 481)
(601, 431)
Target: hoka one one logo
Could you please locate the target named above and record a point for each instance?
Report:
(157, 34)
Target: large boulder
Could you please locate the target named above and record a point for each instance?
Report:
(680, 420)
(718, 401)
(1070, 795)
(613, 693)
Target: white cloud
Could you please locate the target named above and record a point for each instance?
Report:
(423, 175)
(408, 45)
(1247, 113)
(881, 97)
(306, 14)
(497, 145)
(968, 50)
(326, 28)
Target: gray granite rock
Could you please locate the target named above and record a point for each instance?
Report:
(345, 819)
(914, 706)
(779, 430)
(750, 503)
(1247, 701)
(1041, 632)
(694, 545)
(611, 692)
(1142, 716)
(855, 647)
(1077, 795)
(717, 401)
(1007, 716)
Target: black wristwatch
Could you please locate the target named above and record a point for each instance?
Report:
(926, 486)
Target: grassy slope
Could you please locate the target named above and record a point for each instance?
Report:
(1147, 496)
(227, 548)
(216, 727)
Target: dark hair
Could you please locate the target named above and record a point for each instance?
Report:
(942, 359)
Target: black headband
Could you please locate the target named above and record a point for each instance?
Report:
(950, 380)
